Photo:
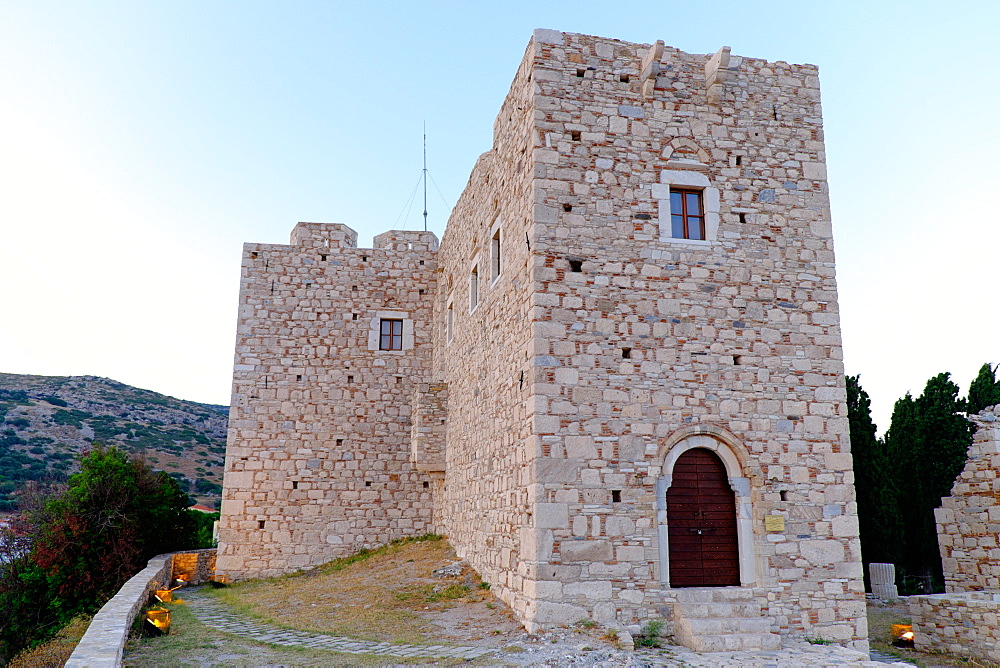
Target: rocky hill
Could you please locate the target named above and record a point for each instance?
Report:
(46, 421)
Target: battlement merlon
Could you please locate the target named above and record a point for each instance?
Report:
(403, 240)
(340, 236)
(324, 235)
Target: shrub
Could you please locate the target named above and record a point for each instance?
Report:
(650, 634)
(55, 401)
(71, 551)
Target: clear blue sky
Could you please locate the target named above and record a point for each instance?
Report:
(141, 143)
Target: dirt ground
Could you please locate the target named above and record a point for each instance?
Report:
(399, 594)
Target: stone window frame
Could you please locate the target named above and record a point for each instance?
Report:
(687, 180)
(375, 331)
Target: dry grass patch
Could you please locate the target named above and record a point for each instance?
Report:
(373, 595)
(55, 652)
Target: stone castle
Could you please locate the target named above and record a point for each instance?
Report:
(615, 385)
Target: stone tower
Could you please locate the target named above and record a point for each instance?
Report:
(616, 387)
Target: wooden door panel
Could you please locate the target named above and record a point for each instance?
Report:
(701, 523)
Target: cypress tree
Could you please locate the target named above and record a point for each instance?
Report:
(878, 498)
(984, 391)
(927, 442)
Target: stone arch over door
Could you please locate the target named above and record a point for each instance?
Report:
(735, 458)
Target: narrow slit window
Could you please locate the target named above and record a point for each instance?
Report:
(687, 216)
(495, 254)
(451, 322)
(474, 289)
(391, 335)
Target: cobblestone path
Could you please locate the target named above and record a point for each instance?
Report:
(210, 612)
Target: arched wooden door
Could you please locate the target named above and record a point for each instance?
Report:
(701, 523)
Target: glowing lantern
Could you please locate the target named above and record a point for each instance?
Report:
(159, 620)
(902, 635)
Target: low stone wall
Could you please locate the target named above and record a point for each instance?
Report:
(104, 643)
(965, 624)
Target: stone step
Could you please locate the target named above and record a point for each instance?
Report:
(724, 626)
(736, 642)
(715, 595)
(704, 610)
(721, 619)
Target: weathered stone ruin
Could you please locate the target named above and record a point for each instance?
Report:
(966, 619)
(616, 384)
(968, 521)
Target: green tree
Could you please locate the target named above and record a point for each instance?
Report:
(80, 546)
(927, 442)
(984, 391)
(878, 497)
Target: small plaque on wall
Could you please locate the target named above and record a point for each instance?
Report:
(774, 523)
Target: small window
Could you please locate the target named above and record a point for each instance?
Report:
(451, 322)
(687, 214)
(495, 254)
(474, 289)
(391, 335)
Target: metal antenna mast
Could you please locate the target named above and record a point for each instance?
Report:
(425, 176)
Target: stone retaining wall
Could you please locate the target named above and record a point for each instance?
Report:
(104, 643)
(962, 624)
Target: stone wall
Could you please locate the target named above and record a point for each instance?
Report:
(488, 359)
(962, 624)
(968, 521)
(583, 349)
(104, 642)
(639, 339)
(318, 459)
